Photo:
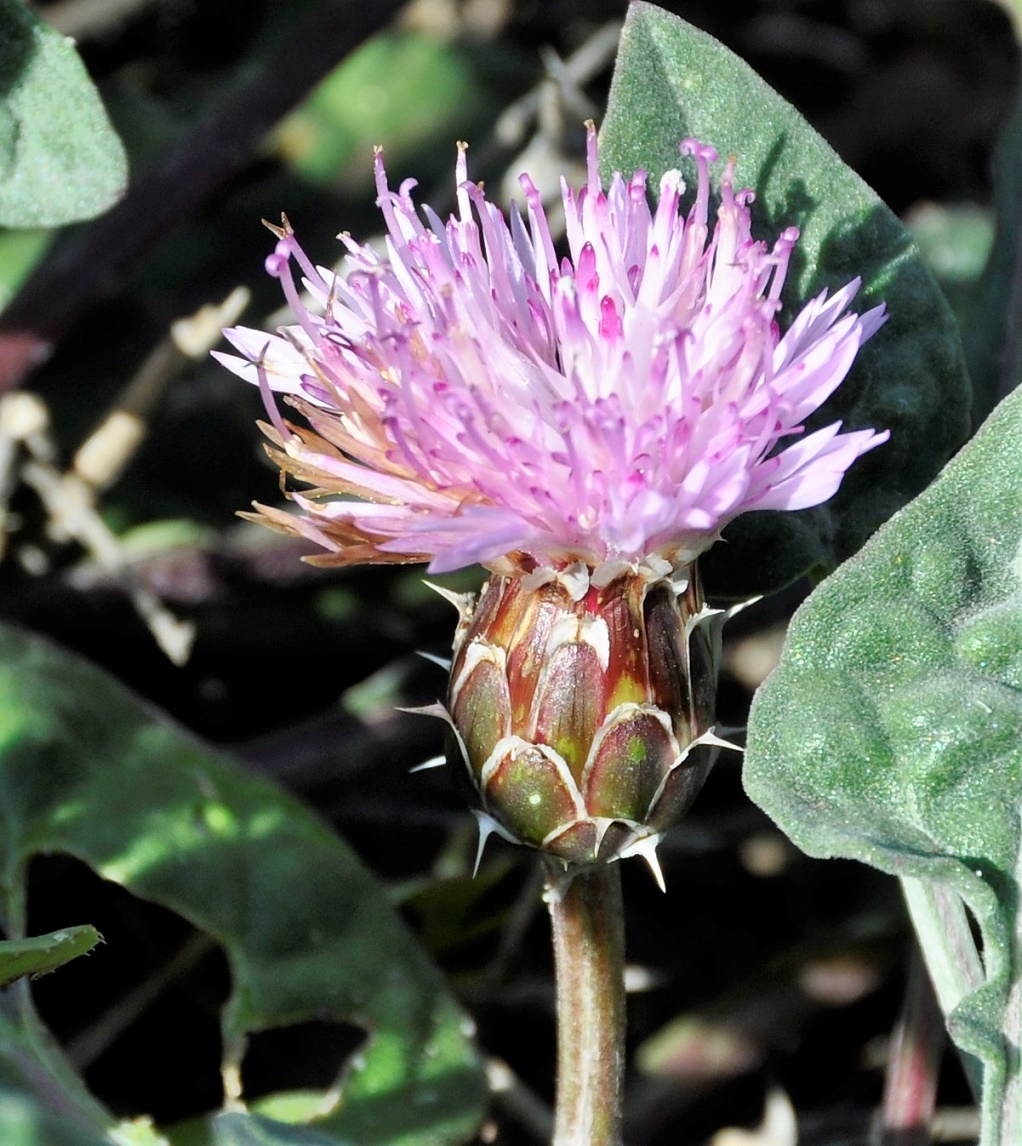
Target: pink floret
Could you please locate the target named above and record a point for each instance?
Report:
(472, 395)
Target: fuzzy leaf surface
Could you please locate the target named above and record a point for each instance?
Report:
(891, 732)
(673, 81)
(88, 769)
(60, 160)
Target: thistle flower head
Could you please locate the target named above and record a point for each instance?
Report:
(585, 426)
(473, 397)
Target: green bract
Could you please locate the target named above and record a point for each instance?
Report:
(892, 733)
(584, 719)
(673, 81)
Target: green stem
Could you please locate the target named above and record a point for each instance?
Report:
(945, 938)
(589, 953)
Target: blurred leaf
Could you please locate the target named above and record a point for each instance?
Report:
(891, 732)
(954, 239)
(44, 953)
(60, 160)
(87, 769)
(19, 253)
(1014, 10)
(42, 1102)
(990, 331)
(253, 1130)
(458, 911)
(45, 1100)
(673, 81)
(397, 89)
(163, 534)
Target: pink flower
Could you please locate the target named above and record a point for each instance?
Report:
(472, 397)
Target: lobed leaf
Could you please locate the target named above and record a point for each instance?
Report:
(673, 81)
(87, 769)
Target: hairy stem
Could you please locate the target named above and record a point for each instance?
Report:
(588, 931)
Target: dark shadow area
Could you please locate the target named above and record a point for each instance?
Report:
(140, 1016)
(306, 1056)
(16, 51)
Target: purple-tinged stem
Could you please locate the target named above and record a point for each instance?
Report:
(587, 920)
(910, 1089)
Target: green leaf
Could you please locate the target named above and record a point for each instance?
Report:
(399, 87)
(891, 732)
(954, 240)
(20, 252)
(253, 1130)
(89, 770)
(44, 953)
(60, 160)
(673, 81)
(42, 1102)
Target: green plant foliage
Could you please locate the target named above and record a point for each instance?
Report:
(673, 81)
(252, 1130)
(892, 730)
(60, 160)
(44, 953)
(20, 251)
(42, 1101)
(398, 87)
(955, 240)
(87, 769)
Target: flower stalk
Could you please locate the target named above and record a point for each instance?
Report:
(587, 921)
(584, 423)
